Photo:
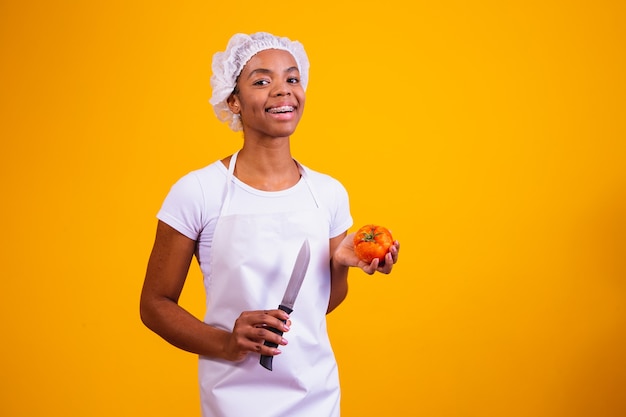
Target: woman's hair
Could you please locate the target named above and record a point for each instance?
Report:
(228, 65)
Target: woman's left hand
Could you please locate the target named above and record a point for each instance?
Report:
(345, 255)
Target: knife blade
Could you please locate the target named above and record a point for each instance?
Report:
(291, 293)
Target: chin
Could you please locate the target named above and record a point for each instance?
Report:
(286, 130)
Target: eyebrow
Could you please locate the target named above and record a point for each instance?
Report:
(267, 71)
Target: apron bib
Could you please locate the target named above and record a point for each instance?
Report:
(251, 259)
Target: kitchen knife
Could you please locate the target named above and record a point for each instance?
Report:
(293, 287)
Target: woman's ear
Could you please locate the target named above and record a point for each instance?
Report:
(233, 104)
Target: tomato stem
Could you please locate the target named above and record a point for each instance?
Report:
(370, 236)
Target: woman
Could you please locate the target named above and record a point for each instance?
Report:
(245, 218)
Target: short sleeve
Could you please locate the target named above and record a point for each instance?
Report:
(341, 219)
(183, 206)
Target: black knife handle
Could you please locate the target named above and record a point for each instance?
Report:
(266, 361)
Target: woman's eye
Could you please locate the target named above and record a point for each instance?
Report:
(293, 80)
(261, 82)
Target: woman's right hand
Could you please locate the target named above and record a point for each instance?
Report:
(251, 330)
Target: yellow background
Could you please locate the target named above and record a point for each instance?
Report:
(488, 135)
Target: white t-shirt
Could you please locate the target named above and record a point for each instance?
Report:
(194, 202)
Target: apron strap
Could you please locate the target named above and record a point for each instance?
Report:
(229, 184)
(305, 177)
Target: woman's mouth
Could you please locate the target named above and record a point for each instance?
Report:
(281, 109)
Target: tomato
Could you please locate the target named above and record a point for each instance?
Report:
(372, 241)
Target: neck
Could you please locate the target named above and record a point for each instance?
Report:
(267, 168)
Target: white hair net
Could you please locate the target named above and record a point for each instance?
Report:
(228, 65)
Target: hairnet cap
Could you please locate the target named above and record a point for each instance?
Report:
(228, 65)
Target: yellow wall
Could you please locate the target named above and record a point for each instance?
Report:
(489, 136)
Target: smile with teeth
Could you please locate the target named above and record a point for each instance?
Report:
(282, 109)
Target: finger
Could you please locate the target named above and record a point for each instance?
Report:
(272, 328)
(266, 335)
(252, 330)
(267, 318)
(388, 265)
(394, 250)
(270, 340)
(371, 267)
(280, 323)
(276, 313)
(259, 335)
(255, 326)
(262, 349)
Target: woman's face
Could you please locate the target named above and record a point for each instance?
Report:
(269, 98)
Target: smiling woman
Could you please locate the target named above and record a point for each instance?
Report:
(228, 66)
(244, 218)
(269, 71)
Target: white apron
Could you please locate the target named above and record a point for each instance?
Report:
(251, 261)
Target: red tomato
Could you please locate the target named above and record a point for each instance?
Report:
(372, 241)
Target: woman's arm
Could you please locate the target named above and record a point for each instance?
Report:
(338, 276)
(167, 271)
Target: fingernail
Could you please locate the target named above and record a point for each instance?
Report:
(283, 341)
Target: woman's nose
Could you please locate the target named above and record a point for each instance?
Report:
(282, 89)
